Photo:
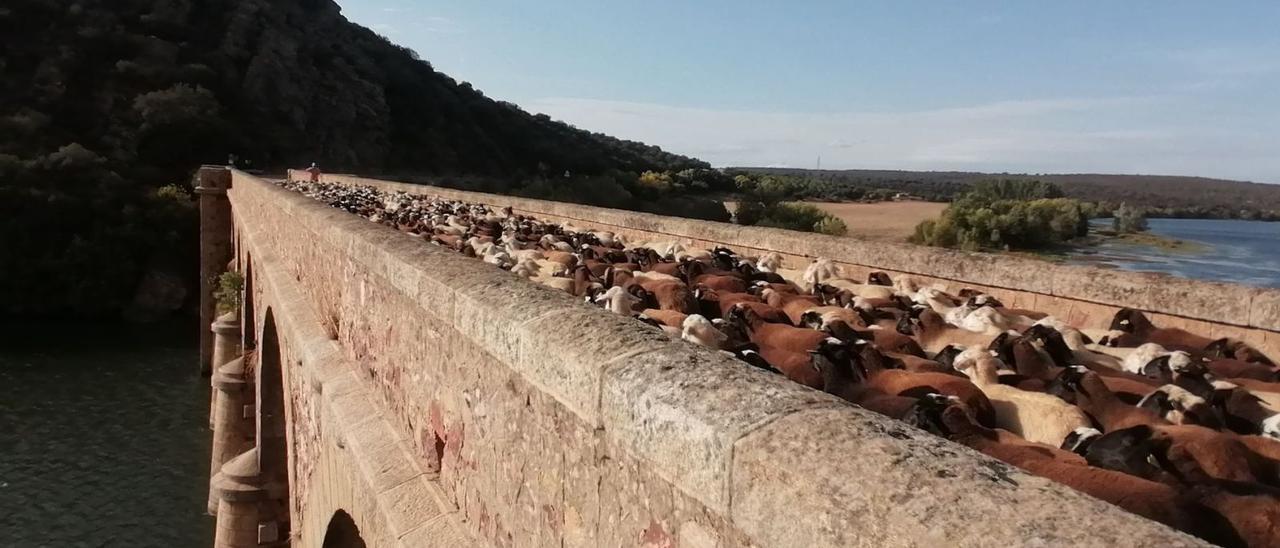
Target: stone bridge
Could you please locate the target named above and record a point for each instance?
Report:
(374, 391)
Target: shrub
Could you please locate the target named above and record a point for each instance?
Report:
(228, 294)
(174, 193)
(831, 226)
(1127, 220)
(1006, 215)
(790, 216)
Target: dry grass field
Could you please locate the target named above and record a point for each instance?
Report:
(885, 221)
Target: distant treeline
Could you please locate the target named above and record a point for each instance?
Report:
(1158, 196)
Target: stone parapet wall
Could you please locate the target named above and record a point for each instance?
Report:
(1083, 296)
(550, 422)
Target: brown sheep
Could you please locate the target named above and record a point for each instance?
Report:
(833, 360)
(904, 383)
(1108, 410)
(670, 294)
(884, 339)
(694, 273)
(1139, 330)
(1248, 517)
(1237, 350)
(797, 366)
(1231, 368)
(672, 318)
(718, 305)
(774, 335)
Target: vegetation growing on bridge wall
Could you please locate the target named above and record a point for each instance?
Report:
(229, 292)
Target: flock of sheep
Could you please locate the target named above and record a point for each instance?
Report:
(1173, 426)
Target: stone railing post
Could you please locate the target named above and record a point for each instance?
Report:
(212, 183)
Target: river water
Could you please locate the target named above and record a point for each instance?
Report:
(1245, 252)
(104, 437)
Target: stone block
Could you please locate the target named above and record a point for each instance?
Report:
(1271, 345)
(439, 532)
(1208, 301)
(872, 481)
(1122, 289)
(410, 505)
(354, 408)
(488, 309)
(564, 353)
(1264, 311)
(375, 448)
(681, 408)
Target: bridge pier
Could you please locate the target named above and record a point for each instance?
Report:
(212, 183)
(232, 431)
(226, 347)
(238, 488)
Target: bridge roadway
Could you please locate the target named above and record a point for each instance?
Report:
(372, 390)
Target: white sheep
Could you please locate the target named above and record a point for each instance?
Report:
(770, 262)
(526, 268)
(606, 238)
(653, 276)
(697, 329)
(1138, 359)
(619, 300)
(1180, 403)
(1271, 426)
(985, 319)
(819, 270)
(1036, 416)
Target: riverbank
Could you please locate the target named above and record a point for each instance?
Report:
(1150, 239)
(1245, 252)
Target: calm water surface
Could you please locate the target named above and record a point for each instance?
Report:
(104, 438)
(1246, 252)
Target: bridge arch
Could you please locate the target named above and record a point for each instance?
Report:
(272, 441)
(342, 532)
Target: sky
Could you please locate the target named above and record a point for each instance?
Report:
(1164, 87)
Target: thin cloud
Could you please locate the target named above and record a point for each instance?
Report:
(442, 25)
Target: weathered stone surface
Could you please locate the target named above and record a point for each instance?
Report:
(489, 302)
(410, 504)
(681, 409)
(1264, 311)
(565, 352)
(848, 477)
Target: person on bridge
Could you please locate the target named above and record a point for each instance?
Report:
(315, 172)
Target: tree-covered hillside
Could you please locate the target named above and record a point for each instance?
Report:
(106, 107)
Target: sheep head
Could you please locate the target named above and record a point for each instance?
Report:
(879, 278)
(1131, 321)
(930, 413)
(1271, 426)
(1079, 440)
